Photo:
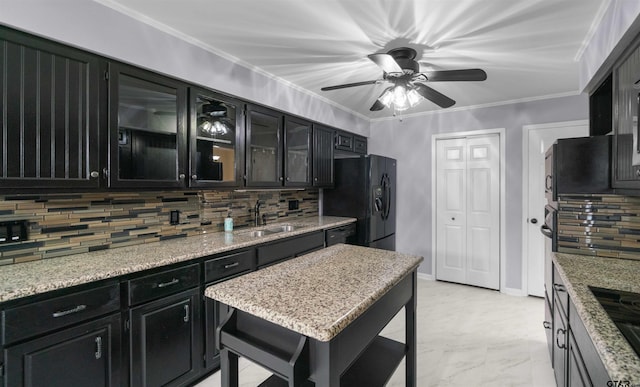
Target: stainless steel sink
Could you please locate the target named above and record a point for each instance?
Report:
(283, 228)
(260, 233)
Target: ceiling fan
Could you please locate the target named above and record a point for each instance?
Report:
(402, 70)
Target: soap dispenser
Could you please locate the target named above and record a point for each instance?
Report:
(228, 223)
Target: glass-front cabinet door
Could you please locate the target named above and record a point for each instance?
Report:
(216, 140)
(297, 144)
(147, 122)
(264, 149)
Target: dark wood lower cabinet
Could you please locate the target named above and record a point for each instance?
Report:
(165, 340)
(86, 355)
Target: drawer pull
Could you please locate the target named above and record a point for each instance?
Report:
(230, 265)
(546, 324)
(77, 309)
(165, 284)
(186, 313)
(559, 288)
(560, 330)
(98, 347)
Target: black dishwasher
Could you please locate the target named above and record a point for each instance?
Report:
(343, 234)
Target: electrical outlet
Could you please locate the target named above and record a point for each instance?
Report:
(294, 204)
(174, 217)
(14, 231)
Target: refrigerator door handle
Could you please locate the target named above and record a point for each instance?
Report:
(386, 188)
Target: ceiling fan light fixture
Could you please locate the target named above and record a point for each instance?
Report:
(414, 97)
(386, 98)
(400, 101)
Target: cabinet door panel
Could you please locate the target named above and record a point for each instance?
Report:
(147, 129)
(87, 355)
(264, 148)
(50, 118)
(297, 144)
(165, 342)
(216, 140)
(322, 156)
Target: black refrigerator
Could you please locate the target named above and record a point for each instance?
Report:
(365, 189)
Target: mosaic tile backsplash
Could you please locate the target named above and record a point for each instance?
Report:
(66, 224)
(599, 225)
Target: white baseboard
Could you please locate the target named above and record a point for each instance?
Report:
(513, 292)
(425, 276)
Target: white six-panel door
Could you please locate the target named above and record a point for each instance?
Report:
(468, 210)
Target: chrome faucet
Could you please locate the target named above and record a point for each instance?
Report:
(256, 213)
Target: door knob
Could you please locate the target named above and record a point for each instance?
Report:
(534, 220)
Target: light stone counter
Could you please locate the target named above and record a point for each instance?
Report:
(318, 294)
(578, 273)
(31, 278)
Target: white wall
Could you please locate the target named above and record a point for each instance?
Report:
(409, 141)
(94, 27)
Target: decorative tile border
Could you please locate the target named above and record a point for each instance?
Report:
(75, 223)
(599, 225)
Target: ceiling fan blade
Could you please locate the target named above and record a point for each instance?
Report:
(456, 75)
(386, 63)
(434, 96)
(376, 106)
(379, 105)
(350, 85)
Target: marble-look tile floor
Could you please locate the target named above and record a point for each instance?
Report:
(467, 336)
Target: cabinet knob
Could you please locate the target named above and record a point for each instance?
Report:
(94, 174)
(288, 179)
(315, 179)
(181, 176)
(638, 172)
(194, 177)
(281, 178)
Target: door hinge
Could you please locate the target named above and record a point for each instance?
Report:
(106, 75)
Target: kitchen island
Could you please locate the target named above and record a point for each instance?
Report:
(318, 317)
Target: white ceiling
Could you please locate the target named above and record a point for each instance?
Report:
(528, 48)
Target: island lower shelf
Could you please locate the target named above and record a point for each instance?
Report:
(374, 367)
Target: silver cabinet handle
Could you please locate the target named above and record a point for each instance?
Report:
(546, 324)
(186, 313)
(94, 174)
(230, 265)
(560, 330)
(165, 284)
(181, 176)
(98, 347)
(194, 177)
(559, 288)
(77, 309)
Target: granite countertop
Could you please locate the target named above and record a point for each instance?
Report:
(578, 273)
(31, 278)
(318, 294)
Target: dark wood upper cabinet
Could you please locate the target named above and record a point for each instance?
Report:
(216, 140)
(297, 152)
(50, 124)
(323, 156)
(264, 147)
(147, 121)
(626, 147)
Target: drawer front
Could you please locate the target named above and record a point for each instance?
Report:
(360, 145)
(344, 142)
(219, 268)
(290, 248)
(163, 284)
(48, 315)
(560, 291)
